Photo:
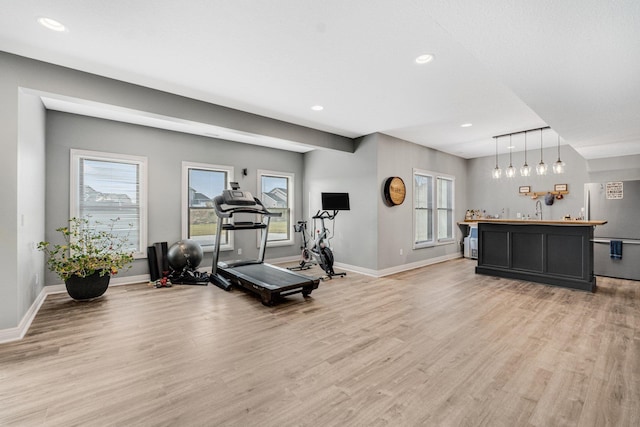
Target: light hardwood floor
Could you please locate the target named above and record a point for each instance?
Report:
(436, 346)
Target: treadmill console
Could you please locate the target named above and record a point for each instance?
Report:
(238, 198)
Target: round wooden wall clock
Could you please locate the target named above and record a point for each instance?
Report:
(394, 191)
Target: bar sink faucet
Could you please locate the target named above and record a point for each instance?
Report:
(539, 210)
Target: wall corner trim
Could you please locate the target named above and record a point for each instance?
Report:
(17, 333)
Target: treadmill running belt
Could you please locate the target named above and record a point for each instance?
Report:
(271, 277)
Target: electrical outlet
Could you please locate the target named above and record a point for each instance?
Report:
(400, 251)
(239, 251)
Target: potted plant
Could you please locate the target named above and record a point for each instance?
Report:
(92, 252)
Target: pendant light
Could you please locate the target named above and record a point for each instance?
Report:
(558, 166)
(511, 171)
(525, 170)
(497, 172)
(541, 169)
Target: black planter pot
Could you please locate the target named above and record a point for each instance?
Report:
(87, 288)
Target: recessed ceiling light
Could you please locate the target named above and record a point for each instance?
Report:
(466, 125)
(52, 24)
(424, 59)
(317, 108)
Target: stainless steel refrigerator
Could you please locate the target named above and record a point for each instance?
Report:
(618, 202)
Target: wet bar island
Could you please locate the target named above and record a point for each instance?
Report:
(557, 253)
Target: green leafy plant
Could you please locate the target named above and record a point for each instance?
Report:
(88, 248)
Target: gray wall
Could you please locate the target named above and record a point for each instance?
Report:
(30, 196)
(614, 169)
(395, 224)
(10, 310)
(486, 193)
(18, 73)
(371, 235)
(165, 151)
(494, 195)
(355, 241)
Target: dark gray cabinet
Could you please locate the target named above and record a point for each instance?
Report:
(555, 254)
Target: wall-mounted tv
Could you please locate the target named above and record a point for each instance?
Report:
(335, 201)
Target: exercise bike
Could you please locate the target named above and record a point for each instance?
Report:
(306, 259)
(320, 250)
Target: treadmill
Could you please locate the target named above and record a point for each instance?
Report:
(266, 280)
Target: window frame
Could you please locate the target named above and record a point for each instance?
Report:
(140, 161)
(425, 243)
(435, 179)
(443, 177)
(290, 176)
(186, 167)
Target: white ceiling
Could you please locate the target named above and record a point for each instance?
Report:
(502, 65)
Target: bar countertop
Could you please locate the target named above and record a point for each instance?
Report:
(536, 221)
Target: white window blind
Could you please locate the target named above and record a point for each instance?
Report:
(106, 187)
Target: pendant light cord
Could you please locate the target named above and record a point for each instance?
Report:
(540, 145)
(510, 148)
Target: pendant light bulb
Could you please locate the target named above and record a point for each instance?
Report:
(558, 166)
(511, 171)
(497, 172)
(541, 169)
(525, 170)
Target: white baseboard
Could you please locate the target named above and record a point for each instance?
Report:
(115, 281)
(398, 268)
(283, 260)
(129, 280)
(17, 333)
(376, 273)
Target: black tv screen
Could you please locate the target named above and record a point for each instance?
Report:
(335, 201)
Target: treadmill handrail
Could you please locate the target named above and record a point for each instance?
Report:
(244, 226)
(227, 210)
(224, 210)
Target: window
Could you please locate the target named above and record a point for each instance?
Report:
(201, 183)
(107, 186)
(445, 208)
(276, 193)
(423, 208)
(432, 192)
